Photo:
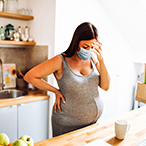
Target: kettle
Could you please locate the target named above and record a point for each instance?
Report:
(9, 31)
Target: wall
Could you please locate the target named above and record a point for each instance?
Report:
(25, 58)
(130, 18)
(116, 49)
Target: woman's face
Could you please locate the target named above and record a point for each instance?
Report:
(86, 44)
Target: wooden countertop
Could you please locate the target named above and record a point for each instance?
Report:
(104, 130)
(30, 97)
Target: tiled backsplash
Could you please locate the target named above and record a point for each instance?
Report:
(24, 58)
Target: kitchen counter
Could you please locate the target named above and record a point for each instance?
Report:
(30, 97)
(104, 130)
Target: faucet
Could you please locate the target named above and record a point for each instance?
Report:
(1, 76)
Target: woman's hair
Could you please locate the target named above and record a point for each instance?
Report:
(85, 31)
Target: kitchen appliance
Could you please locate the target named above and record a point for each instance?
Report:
(9, 31)
(1, 5)
(12, 6)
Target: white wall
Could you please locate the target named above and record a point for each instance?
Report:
(117, 51)
(129, 15)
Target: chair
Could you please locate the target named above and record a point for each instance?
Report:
(141, 93)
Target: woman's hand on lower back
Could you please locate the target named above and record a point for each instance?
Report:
(58, 99)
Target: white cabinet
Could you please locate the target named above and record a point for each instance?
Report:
(33, 120)
(25, 119)
(8, 121)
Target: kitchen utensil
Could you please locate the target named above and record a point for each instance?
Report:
(24, 39)
(20, 73)
(12, 6)
(30, 86)
(9, 31)
(1, 5)
(16, 36)
(21, 83)
(30, 39)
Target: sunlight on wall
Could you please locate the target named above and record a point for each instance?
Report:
(130, 18)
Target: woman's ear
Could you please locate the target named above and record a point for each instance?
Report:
(78, 49)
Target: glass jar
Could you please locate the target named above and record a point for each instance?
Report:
(1, 5)
(12, 6)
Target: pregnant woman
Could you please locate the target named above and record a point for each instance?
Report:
(78, 71)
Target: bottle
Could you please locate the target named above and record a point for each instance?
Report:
(20, 32)
(1, 5)
(2, 33)
(26, 33)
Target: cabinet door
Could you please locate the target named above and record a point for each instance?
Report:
(8, 122)
(33, 120)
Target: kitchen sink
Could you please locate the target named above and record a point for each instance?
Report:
(12, 93)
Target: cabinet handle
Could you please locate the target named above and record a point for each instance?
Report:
(13, 106)
(21, 104)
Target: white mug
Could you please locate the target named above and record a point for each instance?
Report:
(121, 128)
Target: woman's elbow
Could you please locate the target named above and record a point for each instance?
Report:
(27, 77)
(105, 87)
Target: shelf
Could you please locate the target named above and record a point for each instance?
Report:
(16, 16)
(5, 42)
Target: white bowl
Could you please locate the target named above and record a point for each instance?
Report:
(30, 39)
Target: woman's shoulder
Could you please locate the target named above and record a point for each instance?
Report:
(56, 60)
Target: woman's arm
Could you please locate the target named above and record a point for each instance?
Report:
(104, 76)
(100, 65)
(35, 75)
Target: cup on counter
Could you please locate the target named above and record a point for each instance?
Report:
(121, 128)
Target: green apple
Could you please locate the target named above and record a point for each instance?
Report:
(4, 139)
(27, 139)
(19, 142)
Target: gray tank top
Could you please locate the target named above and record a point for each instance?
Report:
(83, 103)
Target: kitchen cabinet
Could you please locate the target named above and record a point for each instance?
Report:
(8, 121)
(25, 119)
(33, 120)
(20, 17)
